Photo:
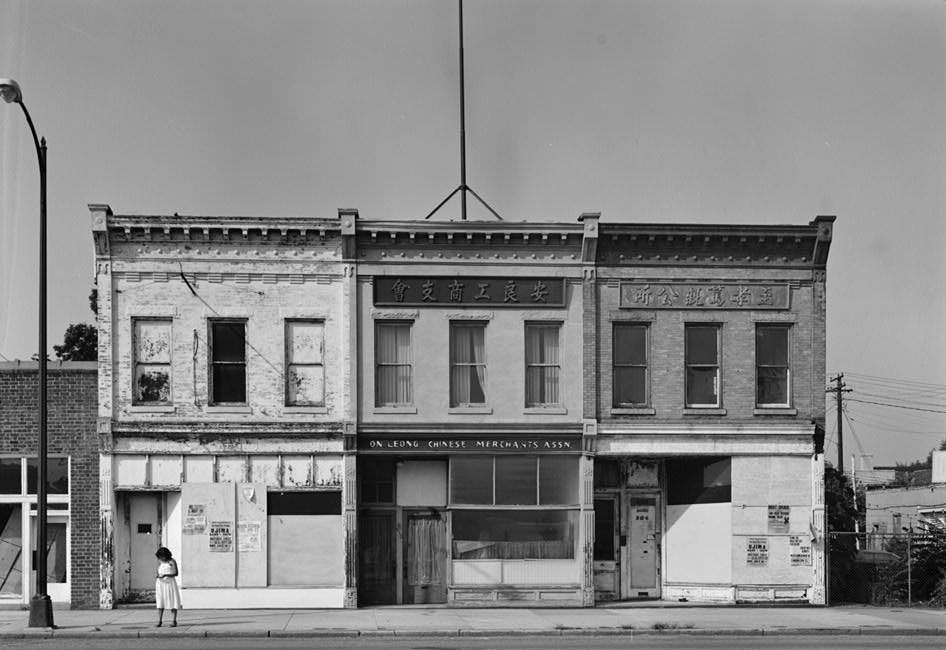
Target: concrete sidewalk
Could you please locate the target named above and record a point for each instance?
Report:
(429, 621)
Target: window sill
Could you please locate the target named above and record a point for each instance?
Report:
(227, 408)
(314, 410)
(156, 408)
(470, 410)
(690, 410)
(545, 410)
(643, 410)
(774, 410)
(404, 410)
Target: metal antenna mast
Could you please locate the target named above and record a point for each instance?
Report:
(463, 188)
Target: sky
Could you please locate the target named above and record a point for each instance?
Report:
(699, 111)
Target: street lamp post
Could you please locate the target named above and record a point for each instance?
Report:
(41, 608)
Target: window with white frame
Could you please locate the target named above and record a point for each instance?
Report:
(702, 365)
(467, 363)
(151, 343)
(542, 364)
(305, 372)
(228, 361)
(629, 356)
(393, 364)
(772, 365)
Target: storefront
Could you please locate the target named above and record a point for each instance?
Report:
(470, 520)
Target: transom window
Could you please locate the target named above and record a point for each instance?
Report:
(702, 365)
(542, 364)
(393, 364)
(772, 371)
(228, 361)
(467, 363)
(630, 365)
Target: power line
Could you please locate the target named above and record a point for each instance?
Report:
(897, 406)
(896, 380)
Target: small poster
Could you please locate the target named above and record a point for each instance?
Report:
(195, 519)
(757, 551)
(799, 551)
(248, 536)
(778, 519)
(221, 536)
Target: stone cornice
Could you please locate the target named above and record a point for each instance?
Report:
(480, 429)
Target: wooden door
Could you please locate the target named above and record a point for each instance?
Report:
(145, 538)
(377, 558)
(643, 562)
(607, 548)
(425, 558)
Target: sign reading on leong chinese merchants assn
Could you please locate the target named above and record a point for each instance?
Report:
(467, 291)
(393, 443)
(703, 295)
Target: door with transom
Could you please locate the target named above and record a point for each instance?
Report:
(640, 558)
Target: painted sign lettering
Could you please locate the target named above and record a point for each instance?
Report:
(707, 295)
(432, 291)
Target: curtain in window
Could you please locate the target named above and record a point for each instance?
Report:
(468, 368)
(394, 364)
(542, 365)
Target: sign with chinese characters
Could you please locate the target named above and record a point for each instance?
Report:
(778, 519)
(221, 537)
(703, 295)
(799, 551)
(470, 444)
(195, 519)
(757, 551)
(424, 291)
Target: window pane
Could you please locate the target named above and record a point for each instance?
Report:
(701, 386)
(11, 545)
(515, 480)
(701, 345)
(542, 344)
(393, 386)
(306, 385)
(558, 480)
(229, 383)
(604, 530)
(772, 385)
(152, 383)
(57, 475)
(630, 344)
(771, 346)
(514, 535)
(471, 480)
(377, 480)
(393, 343)
(304, 341)
(466, 343)
(10, 476)
(630, 385)
(467, 385)
(229, 342)
(153, 341)
(542, 385)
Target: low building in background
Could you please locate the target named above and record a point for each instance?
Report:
(73, 541)
(897, 510)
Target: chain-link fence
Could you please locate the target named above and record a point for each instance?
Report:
(906, 568)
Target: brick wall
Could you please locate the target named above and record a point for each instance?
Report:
(71, 417)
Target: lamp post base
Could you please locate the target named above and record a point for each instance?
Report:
(41, 611)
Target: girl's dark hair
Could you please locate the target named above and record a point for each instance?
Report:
(163, 554)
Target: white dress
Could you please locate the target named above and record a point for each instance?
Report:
(167, 595)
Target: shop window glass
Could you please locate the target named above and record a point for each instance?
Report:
(56, 551)
(558, 480)
(57, 475)
(604, 530)
(305, 373)
(516, 480)
(702, 365)
(228, 362)
(11, 549)
(772, 365)
(393, 364)
(467, 364)
(514, 534)
(630, 365)
(699, 480)
(471, 480)
(377, 481)
(10, 479)
(542, 364)
(152, 361)
(607, 473)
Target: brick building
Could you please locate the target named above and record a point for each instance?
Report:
(72, 481)
(470, 413)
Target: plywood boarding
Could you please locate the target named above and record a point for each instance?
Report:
(206, 567)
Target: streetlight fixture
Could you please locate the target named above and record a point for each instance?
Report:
(41, 607)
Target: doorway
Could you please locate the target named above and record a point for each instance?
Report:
(425, 557)
(377, 584)
(640, 577)
(607, 556)
(144, 522)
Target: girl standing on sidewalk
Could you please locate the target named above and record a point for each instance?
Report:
(167, 595)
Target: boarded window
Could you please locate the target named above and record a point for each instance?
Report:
(772, 365)
(542, 364)
(467, 364)
(152, 361)
(393, 367)
(305, 373)
(702, 365)
(630, 365)
(228, 362)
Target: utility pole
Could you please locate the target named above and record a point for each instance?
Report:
(839, 388)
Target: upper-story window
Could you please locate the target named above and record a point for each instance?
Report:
(228, 361)
(629, 356)
(702, 365)
(393, 364)
(772, 368)
(467, 363)
(542, 364)
(305, 373)
(151, 344)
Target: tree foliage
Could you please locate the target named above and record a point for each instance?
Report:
(80, 343)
